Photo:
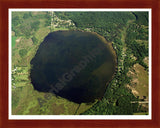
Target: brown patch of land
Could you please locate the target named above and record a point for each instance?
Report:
(57, 109)
(146, 60)
(13, 33)
(134, 91)
(17, 41)
(139, 83)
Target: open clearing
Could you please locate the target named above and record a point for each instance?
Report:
(139, 82)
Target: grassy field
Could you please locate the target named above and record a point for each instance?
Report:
(140, 86)
(141, 113)
(142, 82)
(57, 29)
(14, 41)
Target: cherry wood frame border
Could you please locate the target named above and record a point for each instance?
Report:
(6, 4)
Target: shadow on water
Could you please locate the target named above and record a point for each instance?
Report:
(74, 65)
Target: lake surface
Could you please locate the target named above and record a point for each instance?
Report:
(74, 65)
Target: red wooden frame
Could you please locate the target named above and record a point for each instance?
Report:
(6, 4)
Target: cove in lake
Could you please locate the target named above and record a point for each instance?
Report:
(74, 65)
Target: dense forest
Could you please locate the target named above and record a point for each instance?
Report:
(107, 24)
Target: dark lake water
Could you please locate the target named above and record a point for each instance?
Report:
(74, 65)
